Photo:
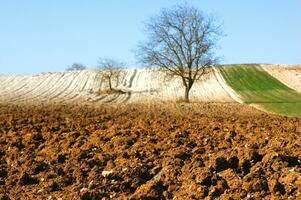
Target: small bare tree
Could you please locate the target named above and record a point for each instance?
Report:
(76, 66)
(110, 70)
(181, 41)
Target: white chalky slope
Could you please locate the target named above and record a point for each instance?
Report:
(82, 86)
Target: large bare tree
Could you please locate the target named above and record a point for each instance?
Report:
(110, 70)
(181, 41)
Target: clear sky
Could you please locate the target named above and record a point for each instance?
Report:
(49, 35)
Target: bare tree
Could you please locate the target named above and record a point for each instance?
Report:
(76, 66)
(110, 70)
(181, 42)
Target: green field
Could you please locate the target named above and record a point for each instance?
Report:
(255, 85)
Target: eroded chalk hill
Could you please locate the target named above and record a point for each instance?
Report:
(83, 86)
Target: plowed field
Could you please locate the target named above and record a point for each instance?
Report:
(148, 151)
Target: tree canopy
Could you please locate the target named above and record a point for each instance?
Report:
(181, 41)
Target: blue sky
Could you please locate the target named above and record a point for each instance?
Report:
(50, 35)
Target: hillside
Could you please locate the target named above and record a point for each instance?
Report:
(256, 86)
(274, 88)
(290, 75)
(83, 86)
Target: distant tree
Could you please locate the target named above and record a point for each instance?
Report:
(76, 66)
(181, 42)
(110, 70)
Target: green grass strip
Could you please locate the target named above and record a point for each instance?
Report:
(255, 85)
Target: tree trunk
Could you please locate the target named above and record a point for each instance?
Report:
(110, 84)
(188, 86)
(187, 89)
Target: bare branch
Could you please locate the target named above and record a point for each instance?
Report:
(110, 70)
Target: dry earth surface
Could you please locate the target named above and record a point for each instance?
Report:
(83, 87)
(148, 151)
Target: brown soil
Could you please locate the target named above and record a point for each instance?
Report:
(136, 151)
